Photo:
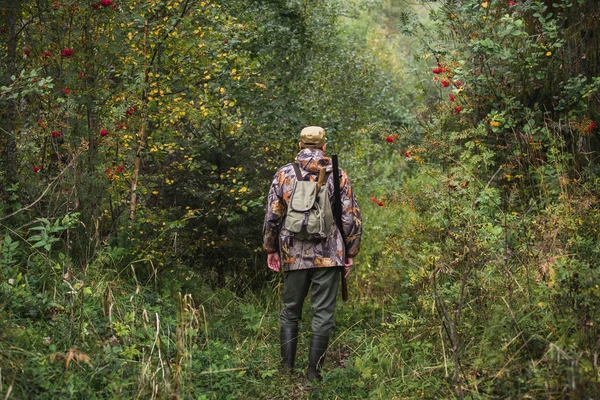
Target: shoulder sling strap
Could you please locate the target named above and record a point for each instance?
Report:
(299, 173)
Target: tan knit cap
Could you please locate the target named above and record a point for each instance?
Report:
(312, 137)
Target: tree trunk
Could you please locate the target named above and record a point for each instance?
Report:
(142, 133)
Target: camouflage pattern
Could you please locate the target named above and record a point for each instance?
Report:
(296, 254)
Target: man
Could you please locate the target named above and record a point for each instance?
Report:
(309, 264)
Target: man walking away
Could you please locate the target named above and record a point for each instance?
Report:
(309, 250)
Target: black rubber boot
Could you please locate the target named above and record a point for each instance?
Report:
(288, 339)
(316, 355)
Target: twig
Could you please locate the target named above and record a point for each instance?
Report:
(8, 392)
(223, 370)
(27, 207)
(157, 342)
(444, 352)
(492, 178)
(343, 333)
(499, 373)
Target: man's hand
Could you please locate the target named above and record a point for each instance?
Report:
(273, 261)
(347, 265)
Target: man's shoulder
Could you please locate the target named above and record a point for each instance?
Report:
(342, 172)
(287, 170)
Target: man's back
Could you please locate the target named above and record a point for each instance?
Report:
(302, 254)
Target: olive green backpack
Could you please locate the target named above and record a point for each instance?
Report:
(309, 215)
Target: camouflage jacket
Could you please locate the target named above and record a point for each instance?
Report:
(296, 254)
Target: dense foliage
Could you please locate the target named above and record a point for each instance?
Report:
(139, 139)
(499, 213)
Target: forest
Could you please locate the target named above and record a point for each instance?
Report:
(139, 139)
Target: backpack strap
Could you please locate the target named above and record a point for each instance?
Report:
(298, 173)
(301, 178)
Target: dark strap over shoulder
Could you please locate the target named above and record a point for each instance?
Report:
(307, 177)
(298, 173)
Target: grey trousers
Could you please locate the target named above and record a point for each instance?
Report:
(323, 284)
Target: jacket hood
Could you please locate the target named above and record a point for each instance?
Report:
(312, 159)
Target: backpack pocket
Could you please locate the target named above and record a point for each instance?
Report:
(299, 215)
(304, 196)
(309, 215)
(294, 221)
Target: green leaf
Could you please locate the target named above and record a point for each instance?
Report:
(40, 244)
